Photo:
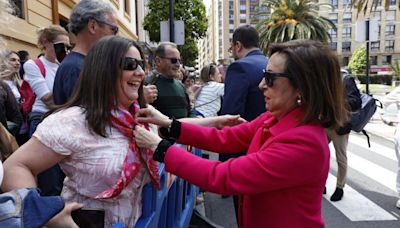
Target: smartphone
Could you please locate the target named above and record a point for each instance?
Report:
(89, 217)
(60, 51)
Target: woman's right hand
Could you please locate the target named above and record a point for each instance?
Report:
(152, 115)
(64, 219)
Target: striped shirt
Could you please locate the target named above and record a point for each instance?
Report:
(208, 102)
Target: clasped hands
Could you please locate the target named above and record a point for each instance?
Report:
(150, 140)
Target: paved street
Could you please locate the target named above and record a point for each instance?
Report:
(370, 194)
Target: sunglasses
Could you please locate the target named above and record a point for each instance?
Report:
(173, 60)
(132, 64)
(271, 76)
(113, 28)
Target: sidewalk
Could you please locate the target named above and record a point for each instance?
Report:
(378, 128)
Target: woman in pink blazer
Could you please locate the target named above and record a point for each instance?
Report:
(281, 179)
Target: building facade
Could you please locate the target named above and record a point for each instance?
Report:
(383, 51)
(224, 17)
(33, 14)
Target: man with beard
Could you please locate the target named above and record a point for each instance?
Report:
(172, 99)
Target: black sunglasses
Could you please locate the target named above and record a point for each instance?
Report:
(132, 63)
(173, 60)
(271, 76)
(113, 28)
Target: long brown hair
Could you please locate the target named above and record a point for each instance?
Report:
(96, 89)
(315, 71)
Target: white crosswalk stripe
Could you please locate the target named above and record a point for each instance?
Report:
(354, 205)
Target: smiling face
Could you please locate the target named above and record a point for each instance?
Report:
(128, 86)
(167, 65)
(281, 98)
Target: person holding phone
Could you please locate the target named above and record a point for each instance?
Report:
(50, 181)
(91, 137)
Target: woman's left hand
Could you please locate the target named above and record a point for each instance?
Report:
(228, 120)
(146, 139)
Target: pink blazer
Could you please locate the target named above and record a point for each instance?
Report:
(281, 179)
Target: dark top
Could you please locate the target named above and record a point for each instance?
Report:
(9, 108)
(242, 95)
(66, 77)
(172, 99)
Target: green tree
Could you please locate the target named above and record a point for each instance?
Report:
(358, 61)
(192, 12)
(367, 5)
(292, 19)
(396, 68)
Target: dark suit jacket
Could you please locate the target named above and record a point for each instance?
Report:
(242, 95)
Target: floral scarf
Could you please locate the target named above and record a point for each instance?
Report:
(124, 121)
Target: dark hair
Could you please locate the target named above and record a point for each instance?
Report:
(23, 55)
(96, 89)
(207, 71)
(160, 51)
(247, 35)
(315, 71)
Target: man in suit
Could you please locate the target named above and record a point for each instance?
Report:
(242, 95)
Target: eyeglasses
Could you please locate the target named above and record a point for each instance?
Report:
(173, 60)
(113, 28)
(271, 76)
(132, 64)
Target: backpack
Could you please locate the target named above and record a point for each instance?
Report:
(28, 97)
(360, 118)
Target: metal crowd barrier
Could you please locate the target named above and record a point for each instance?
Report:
(172, 205)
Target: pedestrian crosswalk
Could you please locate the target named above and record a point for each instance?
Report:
(355, 205)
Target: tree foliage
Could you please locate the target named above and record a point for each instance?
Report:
(358, 61)
(365, 6)
(292, 19)
(192, 12)
(396, 68)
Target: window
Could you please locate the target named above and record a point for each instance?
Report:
(127, 8)
(375, 46)
(376, 15)
(374, 60)
(346, 2)
(333, 17)
(389, 45)
(346, 46)
(332, 33)
(242, 7)
(346, 33)
(334, 4)
(333, 45)
(390, 15)
(347, 17)
(242, 21)
(19, 8)
(387, 59)
(379, 3)
(389, 30)
(392, 2)
(345, 61)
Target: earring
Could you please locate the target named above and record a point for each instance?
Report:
(299, 100)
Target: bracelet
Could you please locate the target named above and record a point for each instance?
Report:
(161, 150)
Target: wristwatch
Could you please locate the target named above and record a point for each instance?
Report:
(161, 150)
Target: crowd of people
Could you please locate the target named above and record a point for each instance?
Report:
(100, 123)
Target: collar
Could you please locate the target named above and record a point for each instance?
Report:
(254, 51)
(166, 78)
(290, 120)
